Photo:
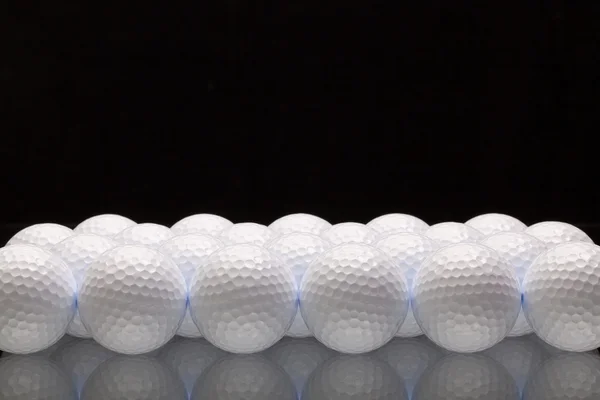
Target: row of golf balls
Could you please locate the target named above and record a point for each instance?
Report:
(243, 286)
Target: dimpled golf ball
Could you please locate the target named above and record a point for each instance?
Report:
(561, 296)
(353, 298)
(389, 223)
(37, 298)
(104, 225)
(519, 249)
(297, 251)
(247, 232)
(190, 252)
(41, 235)
(466, 297)
(554, 232)
(207, 224)
(78, 252)
(349, 232)
(494, 223)
(407, 251)
(146, 234)
(132, 299)
(446, 233)
(306, 223)
(244, 298)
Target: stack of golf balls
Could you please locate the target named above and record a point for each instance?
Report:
(133, 286)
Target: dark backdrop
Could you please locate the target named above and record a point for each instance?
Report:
(343, 109)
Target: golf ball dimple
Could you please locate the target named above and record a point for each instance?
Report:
(494, 223)
(349, 232)
(244, 299)
(78, 252)
(466, 297)
(41, 235)
(247, 232)
(520, 250)
(396, 222)
(561, 296)
(132, 299)
(190, 252)
(104, 225)
(353, 298)
(300, 222)
(407, 251)
(554, 232)
(146, 234)
(38, 298)
(206, 224)
(446, 233)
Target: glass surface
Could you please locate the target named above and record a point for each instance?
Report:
(517, 368)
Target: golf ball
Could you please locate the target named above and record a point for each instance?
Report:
(306, 223)
(494, 222)
(389, 223)
(247, 232)
(41, 235)
(553, 233)
(207, 224)
(349, 232)
(353, 298)
(446, 233)
(146, 234)
(466, 297)
(104, 225)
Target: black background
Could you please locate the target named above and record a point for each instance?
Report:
(344, 109)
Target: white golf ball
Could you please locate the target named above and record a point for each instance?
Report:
(466, 297)
(407, 251)
(244, 299)
(38, 298)
(247, 232)
(554, 232)
(78, 252)
(519, 249)
(353, 298)
(389, 223)
(349, 232)
(446, 233)
(297, 251)
(494, 223)
(146, 234)
(207, 224)
(561, 296)
(300, 222)
(132, 299)
(41, 235)
(104, 225)
(190, 252)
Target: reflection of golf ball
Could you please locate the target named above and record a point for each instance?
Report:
(37, 294)
(104, 225)
(41, 235)
(553, 233)
(349, 232)
(244, 299)
(247, 232)
(561, 296)
(189, 253)
(397, 223)
(299, 223)
(207, 224)
(446, 233)
(466, 297)
(408, 251)
(147, 234)
(353, 298)
(493, 223)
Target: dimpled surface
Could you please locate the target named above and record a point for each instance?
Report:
(349, 232)
(353, 298)
(554, 232)
(37, 298)
(468, 377)
(466, 297)
(41, 235)
(244, 299)
(147, 234)
(561, 296)
(244, 377)
(133, 378)
(207, 224)
(297, 251)
(306, 223)
(446, 233)
(494, 222)
(519, 249)
(78, 252)
(104, 225)
(389, 223)
(132, 299)
(189, 253)
(247, 232)
(407, 251)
